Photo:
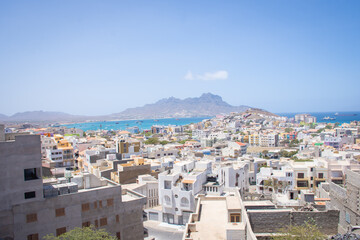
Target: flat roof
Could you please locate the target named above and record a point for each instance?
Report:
(214, 218)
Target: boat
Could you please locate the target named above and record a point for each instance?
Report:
(336, 114)
(155, 120)
(348, 115)
(328, 118)
(117, 123)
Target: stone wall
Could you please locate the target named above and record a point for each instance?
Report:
(270, 221)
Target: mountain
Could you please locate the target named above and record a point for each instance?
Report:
(206, 105)
(40, 116)
(3, 117)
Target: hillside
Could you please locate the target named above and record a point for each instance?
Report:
(206, 105)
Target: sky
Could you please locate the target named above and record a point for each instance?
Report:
(99, 57)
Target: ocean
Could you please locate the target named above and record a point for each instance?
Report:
(142, 124)
(342, 117)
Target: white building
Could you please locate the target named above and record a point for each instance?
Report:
(177, 190)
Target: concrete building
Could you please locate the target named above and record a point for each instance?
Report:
(128, 172)
(2, 132)
(47, 143)
(128, 148)
(346, 200)
(269, 180)
(234, 149)
(148, 186)
(234, 175)
(222, 217)
(307, 118)
(31, 209)
(177, 190)
(264, 140)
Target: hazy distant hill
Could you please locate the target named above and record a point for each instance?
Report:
(39, 116)
(206, 105)
(3, 117)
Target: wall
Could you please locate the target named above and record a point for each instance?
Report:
(2, 132)
(269, 221)
(130, 174)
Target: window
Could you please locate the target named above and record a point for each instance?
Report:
(29, 195)
(32, 217)
(60, 212)
(95, 205)
(167, 200)
(96, 223)
(311, 169)
(321, 175)
(347, 217)
(110, 202)
(60, 231)
(103, 222)
(34, 236)
(302, 184)
(235, 217)
(117, 218)
(167, 184)
(86, 224)
(100, 204)
(300, 175)
(184, 202)
(30, 174)
(85, 207)
(118, 235)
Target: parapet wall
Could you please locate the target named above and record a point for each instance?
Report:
(270, 221)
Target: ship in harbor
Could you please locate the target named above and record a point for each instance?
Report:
(345, 115)
(328, 118)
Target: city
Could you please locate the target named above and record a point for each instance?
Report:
(238, 176)
(179, 120)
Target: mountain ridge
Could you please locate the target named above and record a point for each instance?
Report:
(207, 105)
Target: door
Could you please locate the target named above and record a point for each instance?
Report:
(153, 216)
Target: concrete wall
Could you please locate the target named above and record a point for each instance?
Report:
(2, 132)
(270, 221)
(130, 223)
(130, 174)
(346, 201)
(25, 152)
(15, 156)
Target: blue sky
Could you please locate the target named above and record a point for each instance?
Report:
(100, 57)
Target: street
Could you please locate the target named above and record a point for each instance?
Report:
(163, 231)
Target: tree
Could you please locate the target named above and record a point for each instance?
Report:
(153, 140)
(164, 142)
(288, 130)
(306, 231)
(328, 126)
(320, 130)
(86, 233)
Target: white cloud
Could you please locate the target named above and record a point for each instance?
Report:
(208, 76)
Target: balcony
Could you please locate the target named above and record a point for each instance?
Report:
(302, 179)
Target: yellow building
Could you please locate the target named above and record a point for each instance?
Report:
(67, 150)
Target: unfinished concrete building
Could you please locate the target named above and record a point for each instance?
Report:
(346, 199)
(31, 209)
